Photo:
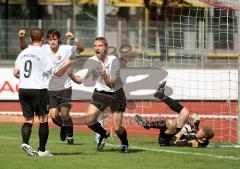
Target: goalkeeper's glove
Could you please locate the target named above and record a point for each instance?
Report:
(186, 129)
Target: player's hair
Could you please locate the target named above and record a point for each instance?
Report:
(102, 39)
(36, 34)
(52, 32)
(208, 132)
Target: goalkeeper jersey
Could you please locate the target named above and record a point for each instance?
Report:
(189, 140)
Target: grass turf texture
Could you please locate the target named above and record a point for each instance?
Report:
(144, 153)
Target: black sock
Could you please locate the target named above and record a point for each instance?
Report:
(68, 125)
(43, 136)
(173, 104)
(26, 132)
(156, 124)
(98, 129)
(58, 121)
(122, 135)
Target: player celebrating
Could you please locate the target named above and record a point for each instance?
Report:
(105, 70)
(60, 89)
(33, 67)
(177, 132)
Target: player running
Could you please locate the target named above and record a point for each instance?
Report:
(105, 70)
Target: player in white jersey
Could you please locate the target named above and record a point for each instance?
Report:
(60, 88)
(33, 67)
(105, 70)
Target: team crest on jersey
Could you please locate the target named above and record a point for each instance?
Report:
(59, 57)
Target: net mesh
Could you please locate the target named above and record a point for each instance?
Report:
(197, 44)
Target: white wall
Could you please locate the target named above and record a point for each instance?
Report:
(187, 84)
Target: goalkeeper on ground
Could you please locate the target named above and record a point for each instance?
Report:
(178, 132)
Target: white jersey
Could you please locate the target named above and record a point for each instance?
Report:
(64, 51)
(93, 67)
(35, 67)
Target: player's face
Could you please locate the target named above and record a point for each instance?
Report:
(200, 134)
(53, 41)
(99, 47)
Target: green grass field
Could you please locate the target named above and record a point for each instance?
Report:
(143, 154)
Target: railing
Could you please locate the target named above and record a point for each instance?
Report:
(176, 40)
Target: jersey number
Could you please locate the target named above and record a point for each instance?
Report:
(27, 68)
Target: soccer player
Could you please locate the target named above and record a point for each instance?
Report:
(33, 67)
(177, 132)
(60, 88)
(105, 70)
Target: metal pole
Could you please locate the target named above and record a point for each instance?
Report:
(68, 29)
(100, 33)
(40, 23)
(238, 108)
(101, 18)
(6, 29)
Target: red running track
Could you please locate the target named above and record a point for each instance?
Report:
(222, 116)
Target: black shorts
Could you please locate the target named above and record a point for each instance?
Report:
(60, 98)
(115, 100)
(164, 139)
(33, 101)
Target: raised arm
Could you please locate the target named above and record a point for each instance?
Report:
(78, 42)
(21, 34)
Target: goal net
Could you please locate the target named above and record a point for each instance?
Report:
(194, 46)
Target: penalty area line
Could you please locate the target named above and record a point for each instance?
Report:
(180, 152)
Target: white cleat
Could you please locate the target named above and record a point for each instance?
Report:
(29, 150)
(45, 153)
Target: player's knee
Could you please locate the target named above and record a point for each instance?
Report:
(183, 117)
(184, 112)
(43, 118)
(66, 117)
(117, 129)
(171, 127)
(90, 123)
(53, 112)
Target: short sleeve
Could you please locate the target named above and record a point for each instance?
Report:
(115, 69)
(17, 62)
(71, 50)
(50, 67)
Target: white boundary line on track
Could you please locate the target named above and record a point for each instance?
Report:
(150, 149)
(143, 115)
(181, 152)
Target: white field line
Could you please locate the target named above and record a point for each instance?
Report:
(143, 115)
(147, 149)
(19, 139)
(181, 152)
